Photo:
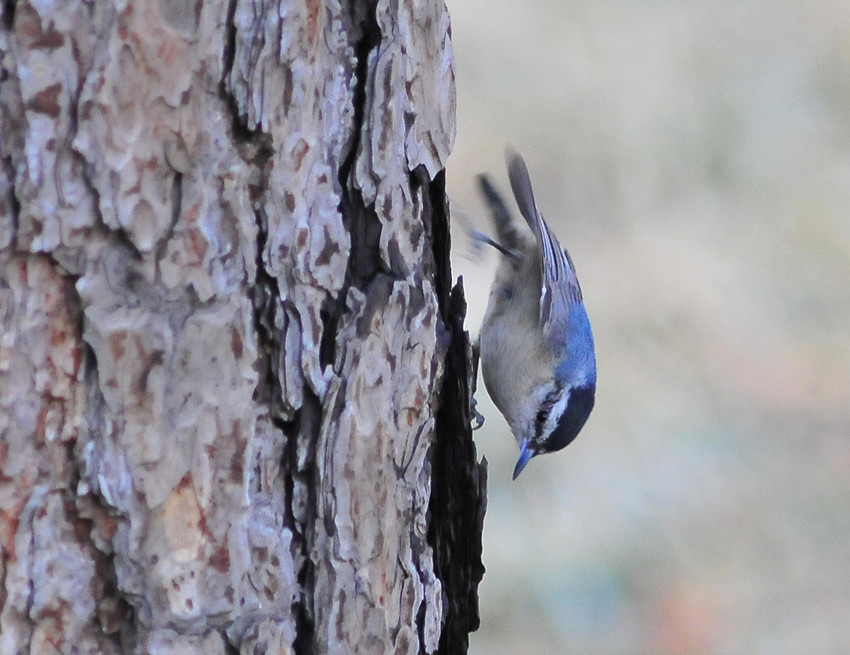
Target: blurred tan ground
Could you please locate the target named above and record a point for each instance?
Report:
(695, 158)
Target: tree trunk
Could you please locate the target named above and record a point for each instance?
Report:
(234, 382)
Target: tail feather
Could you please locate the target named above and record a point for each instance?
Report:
(507, 229)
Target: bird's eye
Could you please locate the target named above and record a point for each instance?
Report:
(542, 415)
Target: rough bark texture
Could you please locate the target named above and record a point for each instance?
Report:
(227, 330)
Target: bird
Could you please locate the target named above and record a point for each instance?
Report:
(536, 345)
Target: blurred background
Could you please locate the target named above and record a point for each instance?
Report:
(694, 156)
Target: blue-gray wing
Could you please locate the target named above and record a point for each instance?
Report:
(560, 289)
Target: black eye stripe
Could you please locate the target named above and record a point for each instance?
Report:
(540, 420)
(546, 409)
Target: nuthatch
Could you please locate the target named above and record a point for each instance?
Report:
(537, 354)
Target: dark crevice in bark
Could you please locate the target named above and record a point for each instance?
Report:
(303, 439)
(5, 556)
(265, 296)
(458, 480)
(363, 265)
(254, 144)
(229, 54)
(365, 230)
(9, 14)
(229, 648)
(115, 615)
(12, 201)
(441, 241)
(257, 149)
(299, 431)
(359, 218)
(176, 201)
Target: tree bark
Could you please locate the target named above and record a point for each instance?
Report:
(234, 382)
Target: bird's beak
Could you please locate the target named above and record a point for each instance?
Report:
(526, 452)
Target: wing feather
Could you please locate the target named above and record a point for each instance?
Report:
(560, 288)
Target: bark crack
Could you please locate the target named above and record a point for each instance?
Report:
(362, 221)
(13, 203)
(229, 54)
(458, 482)
(257, 150)
(364, 229)
(176, 210)
(8, 10)
(308, 418)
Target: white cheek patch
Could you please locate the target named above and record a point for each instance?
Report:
(555, 415)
